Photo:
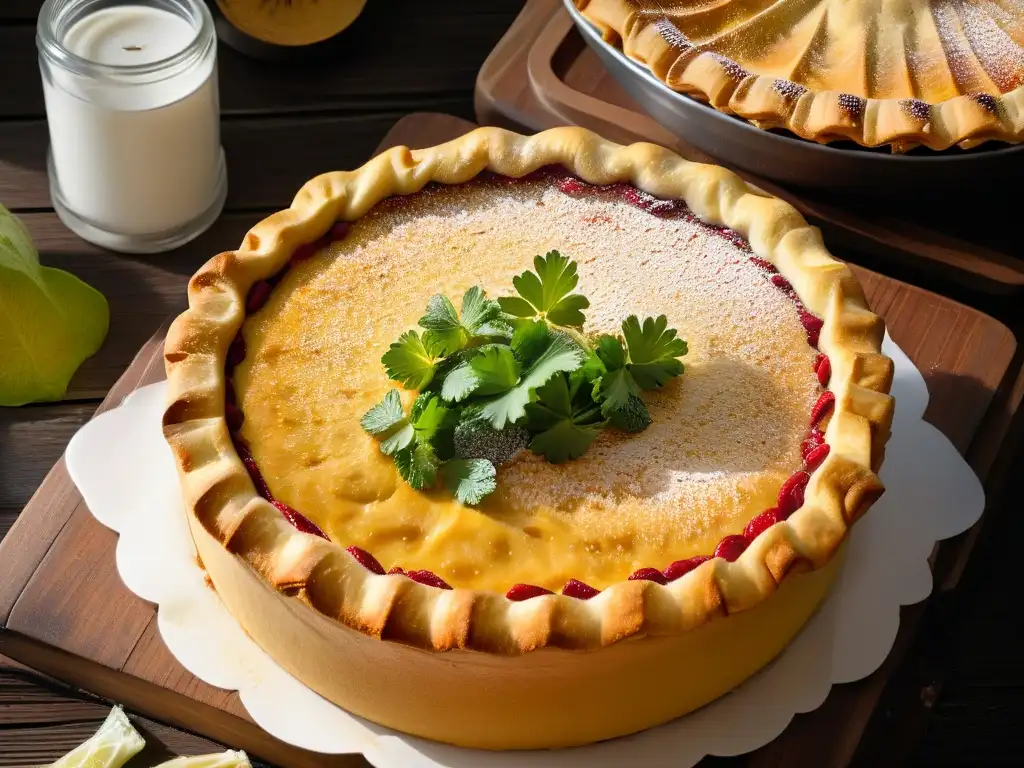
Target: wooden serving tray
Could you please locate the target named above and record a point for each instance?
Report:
(64, 610)
(543, 74)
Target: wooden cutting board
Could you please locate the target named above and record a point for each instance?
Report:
(543, 74)
(64, 610)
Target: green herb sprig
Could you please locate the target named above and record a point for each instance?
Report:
(496, 377)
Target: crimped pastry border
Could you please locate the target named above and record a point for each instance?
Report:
(645, 36)
(220, 494)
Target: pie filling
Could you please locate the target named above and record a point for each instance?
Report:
(727, 455)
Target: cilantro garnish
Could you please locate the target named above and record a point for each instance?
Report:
(560, 354)
(387, 421)
(469, 479)
(653, 349)
(448, 332)
(563, 423)
(548, 292)
(496, 377)
(409, 361)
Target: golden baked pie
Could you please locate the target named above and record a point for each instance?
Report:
(602, 576)
(906, 73)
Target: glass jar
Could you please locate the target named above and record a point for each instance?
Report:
(135, 161)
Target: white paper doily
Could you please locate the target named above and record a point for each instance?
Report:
(126, 474)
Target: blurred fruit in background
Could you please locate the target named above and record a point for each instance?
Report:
(272, 27)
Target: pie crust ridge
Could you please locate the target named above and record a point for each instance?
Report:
(221, 497)
(967, 119)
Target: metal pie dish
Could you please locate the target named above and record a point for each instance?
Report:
(796, 162)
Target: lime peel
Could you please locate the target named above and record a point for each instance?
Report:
(229, 759)
(114, 744)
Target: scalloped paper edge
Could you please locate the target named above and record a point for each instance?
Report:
(126, 474)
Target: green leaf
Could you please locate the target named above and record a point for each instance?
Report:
(610, 352)
(387, 422)
(50, 321)
(560, 432)
(417, 464)
(616, 385)
(632, 417)
(385, 415)
(433, 419)
(653, 349)
(442, 326)
(410, 362)
(496, 370)
(477, 310)
(592, 369)
(547, 293)
(561, 354)
(459, 383)
(529, 340)
(449, 332)
(469, 479)
(614, 389)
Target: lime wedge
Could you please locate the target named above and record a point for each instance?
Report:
(220, 760)
(114, 744)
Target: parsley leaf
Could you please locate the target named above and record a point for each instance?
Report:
(459, 383)
(653, 349)
(417, 464)
(561, 354)
(409, 361)
(387, 421)
(529, 340)
(496, 370)
(449, 332)
(616, 384)
(563, 427)
(547, 293)
(469, 479)
(632, 417)
(434, 424)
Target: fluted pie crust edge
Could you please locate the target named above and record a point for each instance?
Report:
(821, 116)
(221, 497)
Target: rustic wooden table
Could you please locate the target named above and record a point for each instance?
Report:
(285, 122)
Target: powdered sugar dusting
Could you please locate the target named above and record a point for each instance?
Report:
(724, 435)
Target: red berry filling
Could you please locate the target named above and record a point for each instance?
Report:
(365, 559)
(731, 547)
(760, 524)
(791, 495)
(767, 266)
(429, 578)
(299, 520)
(258, 295)
(682, 567)
(816, 456)
(813, 325)
(579, 590)
(236, 352)
(814, 438)
(526, 591)
(233, 416)
(823, 369)
(648, 574)
(822, 408)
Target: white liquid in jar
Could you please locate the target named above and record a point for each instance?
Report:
(134, 154)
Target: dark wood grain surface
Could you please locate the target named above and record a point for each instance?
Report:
(283, 123)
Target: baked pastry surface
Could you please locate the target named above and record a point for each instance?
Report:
(903, 73)
(642, 649)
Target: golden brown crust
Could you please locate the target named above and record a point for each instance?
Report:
(648, 36)
(221, 497)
